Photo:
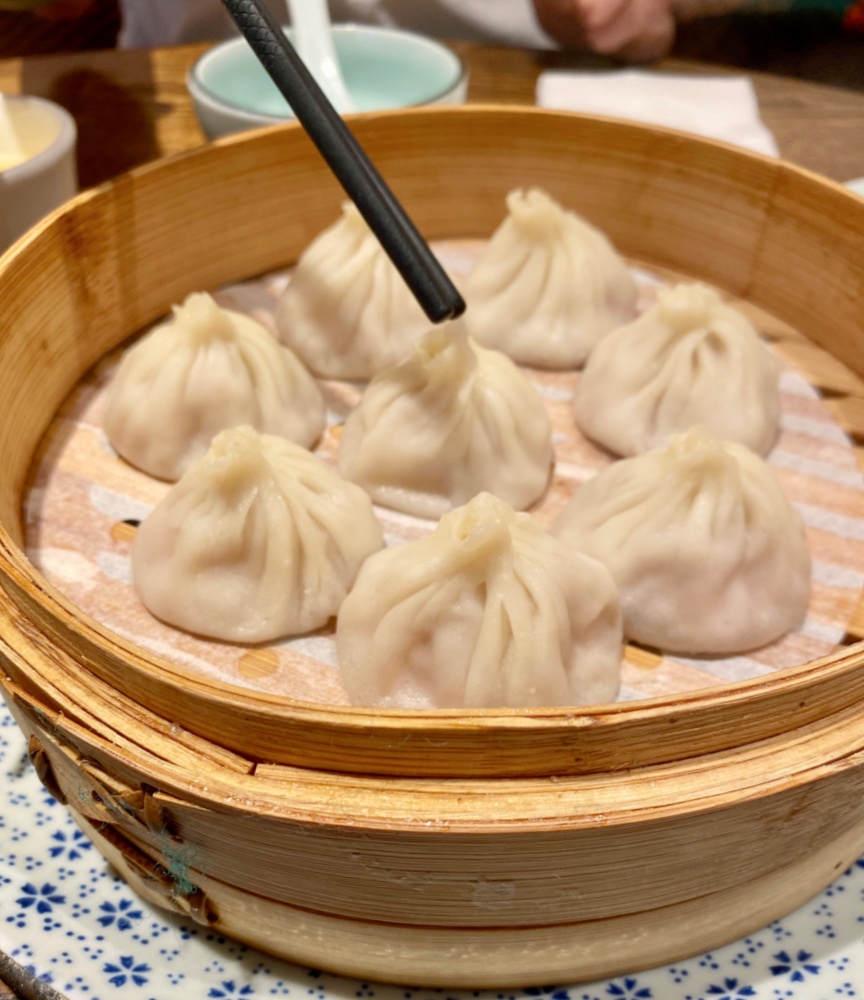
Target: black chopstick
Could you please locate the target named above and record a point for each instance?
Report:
(397, 234)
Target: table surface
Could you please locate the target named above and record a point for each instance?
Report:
(132, 107)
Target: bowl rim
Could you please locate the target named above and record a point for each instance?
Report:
(200, 91)
(63, 141)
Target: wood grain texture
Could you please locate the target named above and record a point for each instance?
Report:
(569, 904)
(399, 868)
(493, 956)
(132, 107)
(116, 258)
(390, 834)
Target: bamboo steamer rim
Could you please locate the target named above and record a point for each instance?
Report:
(729, 693)
(786, 765)
(41, 604)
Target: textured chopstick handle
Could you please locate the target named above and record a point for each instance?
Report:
(427, 280)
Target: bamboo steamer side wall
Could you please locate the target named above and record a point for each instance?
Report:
(494, 956)
(115, 259)
(813, 232)
(435, 907)
(440, 853)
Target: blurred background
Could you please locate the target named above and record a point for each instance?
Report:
(808, 44)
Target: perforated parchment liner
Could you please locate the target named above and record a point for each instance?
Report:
(84, 502)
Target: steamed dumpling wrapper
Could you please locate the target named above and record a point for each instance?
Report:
(706, 551)
(487, 611)
(548, 286)
(205, 370)
(690, 359)
(347, 311)
(451, 421)
(258, 540)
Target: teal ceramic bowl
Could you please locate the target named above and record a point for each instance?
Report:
(383, 68)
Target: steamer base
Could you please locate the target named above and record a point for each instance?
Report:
(484, 958)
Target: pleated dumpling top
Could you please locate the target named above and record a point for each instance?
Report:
(452, 421)
(548, 286)
(201, 372)
(706, 551)
(489, 610)
(689, 360)
(258, 540)
(347, 311)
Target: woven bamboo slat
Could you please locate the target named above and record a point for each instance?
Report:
(442, 848)
(493, 957)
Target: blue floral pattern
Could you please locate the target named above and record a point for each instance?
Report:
(123, 914)
(799, 966)
(43, 899)
(126, 970)
(730, 990)
(630, 989)
(68, 845)
(65, 916)
(229, 989)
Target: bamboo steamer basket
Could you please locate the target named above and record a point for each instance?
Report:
(449, 848)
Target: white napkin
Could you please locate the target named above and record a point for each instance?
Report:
(715, 107)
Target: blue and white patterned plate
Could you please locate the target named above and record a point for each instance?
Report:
(68, 918)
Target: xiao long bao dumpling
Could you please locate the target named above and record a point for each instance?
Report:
(689, 359)
(548, 286)
(487, 611)
(205, 370)
(451, 421)
(706, 551)
(258, 540)
(347, 311)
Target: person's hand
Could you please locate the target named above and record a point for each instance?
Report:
(636, 30)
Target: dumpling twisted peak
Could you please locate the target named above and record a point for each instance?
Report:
(202, 319)
(444, 361)
(202, 371)
(259, 539)
(689, 359)
(708, 554)
(347, 311)
(537, 216)
(696, 459)
(548, 286)
(487, 611)
(686, 308)
(451, 421)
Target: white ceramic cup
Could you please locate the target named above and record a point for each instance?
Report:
(47, 177)
(383, 68)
